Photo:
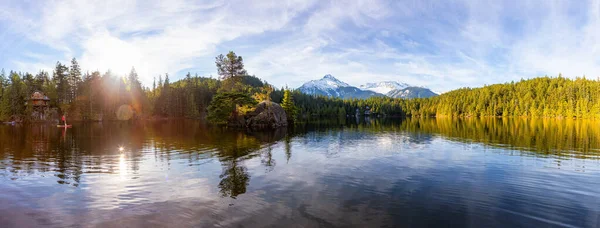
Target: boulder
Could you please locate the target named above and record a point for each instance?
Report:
(267, 115)
(237, 121)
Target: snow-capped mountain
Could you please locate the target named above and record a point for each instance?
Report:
(411, 92)
(332, 87)
(383, 87)
(327, 85)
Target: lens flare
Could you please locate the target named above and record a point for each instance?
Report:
(125, 112)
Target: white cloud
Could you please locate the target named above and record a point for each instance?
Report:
(153, 36)
(436, 44)
(557, 45)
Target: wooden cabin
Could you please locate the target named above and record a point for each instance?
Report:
(40, 104)
(39, 99)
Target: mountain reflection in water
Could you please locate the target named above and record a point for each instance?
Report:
(355, 172)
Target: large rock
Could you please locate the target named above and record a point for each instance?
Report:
(237, 121)
(267, 115)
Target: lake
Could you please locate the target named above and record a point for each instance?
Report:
(358, 172)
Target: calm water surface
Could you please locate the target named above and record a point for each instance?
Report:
(365, 173)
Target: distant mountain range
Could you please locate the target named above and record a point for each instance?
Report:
(332, 87)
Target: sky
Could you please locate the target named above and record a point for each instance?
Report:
(442, 45)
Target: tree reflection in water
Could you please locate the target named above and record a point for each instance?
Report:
(239, 146)
(234, 180)
(90, 149)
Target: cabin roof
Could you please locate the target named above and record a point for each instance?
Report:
(39, 96)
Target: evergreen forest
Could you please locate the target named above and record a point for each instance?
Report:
(96, 96)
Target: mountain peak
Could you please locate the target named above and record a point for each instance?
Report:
(333, 87)
(332, 81)
(329, 76)
(383, 87)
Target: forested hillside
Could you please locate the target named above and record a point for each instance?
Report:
(538, 97)
(95, 96)
(98, 96)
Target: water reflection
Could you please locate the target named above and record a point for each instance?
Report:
(234, 179)
(395, 172)
(562, 138)
(88, 148)
(68, 153)
(122, 166)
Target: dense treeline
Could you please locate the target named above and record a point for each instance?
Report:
(538, 97)
(542, 97)
(99, 96)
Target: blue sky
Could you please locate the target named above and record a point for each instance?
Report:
(442, 45)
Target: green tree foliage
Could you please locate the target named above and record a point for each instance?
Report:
(264, 94)
(138, 101)
(231, 70)
(73, 80)
(29, 81)
(252, 81)
(39, 80)
(225, 104)
(538, 97)
(4, 106)
(96, 96)
(230, 66)
(16, 96)
(61, 79)
(288, 105)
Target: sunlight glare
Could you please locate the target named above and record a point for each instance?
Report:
(122, 166)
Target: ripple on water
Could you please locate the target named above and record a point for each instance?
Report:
(415, 172)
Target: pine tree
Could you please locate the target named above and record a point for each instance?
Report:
(29, 81)
(136, 92)
(40, 79)
(134, 81)
(154, 86)
(188, 78)
(17, 96)
(166, 105)
(4, 101)
(231, 70)
(3, 83)
(74, 79)
(288, 105)
(60, 78)
(160, 81)
(166, 83)
(230, 66)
